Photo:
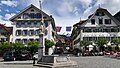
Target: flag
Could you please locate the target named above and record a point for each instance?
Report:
(68, 28)
(58, 28)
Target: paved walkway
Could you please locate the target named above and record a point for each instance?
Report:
(82, 62)
(96, 62)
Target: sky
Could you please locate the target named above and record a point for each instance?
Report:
(65, 12)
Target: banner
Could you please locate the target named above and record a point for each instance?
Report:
(58, 28)
(68, 28)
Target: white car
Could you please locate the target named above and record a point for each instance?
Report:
(35, 55)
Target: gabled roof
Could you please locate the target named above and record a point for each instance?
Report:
(5, 28)
(79, 23)
(27, 8)
(32, 6)
(117, 16)
(106, 12)
(114, 19)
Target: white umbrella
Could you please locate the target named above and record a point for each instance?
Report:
(90, 47)
(105, 45)
(93, 43)
(109, 43)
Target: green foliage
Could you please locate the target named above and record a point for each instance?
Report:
(85, 43)
(18, 46)
(116, 40)
(4, 46)
(101, 41)
(32, 46)
(48, 43)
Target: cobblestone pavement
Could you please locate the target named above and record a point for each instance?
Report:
(82, 62)
(96, 62)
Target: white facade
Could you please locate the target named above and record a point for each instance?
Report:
(100, 24)
(26, 25)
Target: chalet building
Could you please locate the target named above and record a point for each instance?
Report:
(100, 24)
(27, 22)
(5, 33)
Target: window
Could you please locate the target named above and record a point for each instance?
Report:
(37, 40)
(29, 24)
(32, 15)
(95, 30)
(38, 15)
(18, 24)
(100, 21)
(31, 39)
(25, 32)
(18, 41)
(31, 32)
(25, 15)
(38, 24)
(32, 10)
(107, 21)
(35, 24)
(92, 21)
(46, 24)
(100, 14)
(37, 32)
(112, 30)
(18, 32)
(24, 41)
(23, 24)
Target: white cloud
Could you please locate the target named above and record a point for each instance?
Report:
(68, 12)
(65, 21)
(10, 3)
(5, 19)
(85, 3)
(111, 5)
(6, 22)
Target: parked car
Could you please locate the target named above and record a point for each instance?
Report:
(9, 56)
(17, 55)
(35, 55)
(23, 55)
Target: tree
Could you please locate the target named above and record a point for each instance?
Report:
(32, 46)
(85, 43)
(4, 46)
(48, 43)
(116, 40)
(100, 43)
(18, 46)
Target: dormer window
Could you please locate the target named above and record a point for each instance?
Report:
(107, 21)
(92, 21)
(32, 10)
(100, 21)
